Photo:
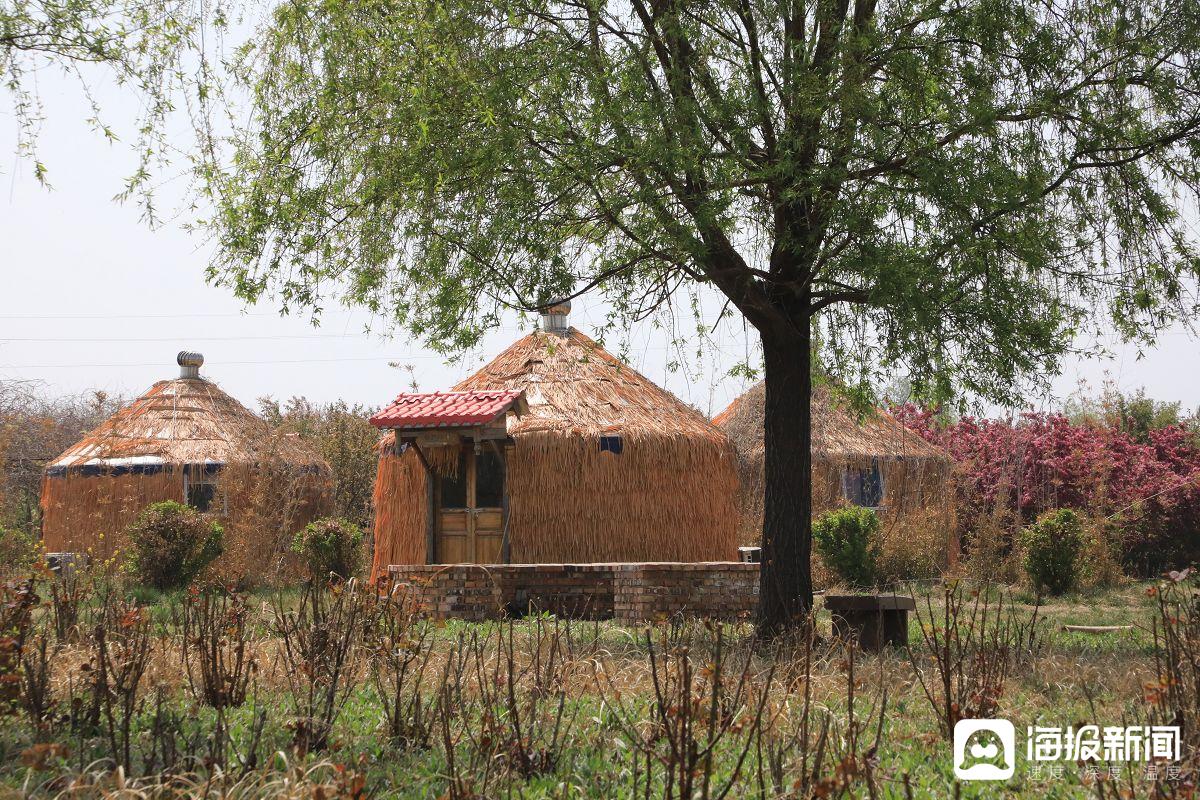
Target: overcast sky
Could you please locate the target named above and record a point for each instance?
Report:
(92, 298)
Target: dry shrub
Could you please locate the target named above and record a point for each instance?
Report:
(699, 691)
(915, 546)
(345, 438)
(1100, 561)
(399, 646)
(319, 641)
(990, 555)
(1174, 696)
(471, 765)
(822, 576)
(35, 427)
(524, 718)
(120, 658)
(699, 703)
(19, 551)
(966, 651)
(37, 693)
(216, 647)
(268, 502)
(806, 749)
(1171, 697)
(69, 591)
(17, 600)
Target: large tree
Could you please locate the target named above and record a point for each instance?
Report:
(951, 189)
(148, 46)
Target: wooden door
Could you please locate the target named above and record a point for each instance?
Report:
(470, 519)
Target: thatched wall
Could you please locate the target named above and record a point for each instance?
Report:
(918, 499)
(261, 509)
(668, 496)
(662, 499)
(910, 486)
(88, 513)
(401, 511)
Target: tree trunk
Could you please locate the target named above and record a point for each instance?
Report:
(785, 583)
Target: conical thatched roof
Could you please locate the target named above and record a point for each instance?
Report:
(837, 433)
(183, 421)
(914, 471)
(664, 491)
(572, 383)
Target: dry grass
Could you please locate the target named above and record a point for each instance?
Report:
(591, 695)
(283, 781)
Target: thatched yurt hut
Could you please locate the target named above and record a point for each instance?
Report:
(592, 463)
(185, 440)
(870, 461)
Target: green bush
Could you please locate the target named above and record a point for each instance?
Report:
(848, 541)
(18, 551)
(170, 544)
(330, 545)
(1053, 546)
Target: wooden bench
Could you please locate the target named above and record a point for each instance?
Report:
(874, 620)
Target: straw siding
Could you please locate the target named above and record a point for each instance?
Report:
(90, 513)
(668, 496)
(663, 499)
(86, 514)
(268, 485)
(401, 511)
(910, 486)
(915, 473)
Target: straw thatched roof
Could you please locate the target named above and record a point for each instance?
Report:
(914, 471)
(572, 384)
(183, 421)
(837, 433)
(665, 492)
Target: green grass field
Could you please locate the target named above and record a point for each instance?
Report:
(545, 708)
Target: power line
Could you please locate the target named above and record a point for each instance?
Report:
(272, 337)
(397, 359)
(147, 316)
(391, 359)
(212, 315)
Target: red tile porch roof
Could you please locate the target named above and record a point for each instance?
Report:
(447, 409)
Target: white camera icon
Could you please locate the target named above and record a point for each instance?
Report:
(977, 744)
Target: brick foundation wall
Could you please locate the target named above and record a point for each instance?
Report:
(721, 590)
(626, 592)
(491, 591)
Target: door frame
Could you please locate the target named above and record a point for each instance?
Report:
(433, 485)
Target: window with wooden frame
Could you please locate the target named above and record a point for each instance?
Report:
(611, 444)
(863, 486)
(200, 490)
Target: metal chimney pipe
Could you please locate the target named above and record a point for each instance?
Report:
(554, 316)
(189, 363)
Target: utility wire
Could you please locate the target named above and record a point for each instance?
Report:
(399, 358)
(146, 316)
(188, 337)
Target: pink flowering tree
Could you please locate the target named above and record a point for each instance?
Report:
(1015, 469)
